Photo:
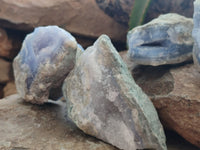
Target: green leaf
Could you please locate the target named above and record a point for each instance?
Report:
(138, 13)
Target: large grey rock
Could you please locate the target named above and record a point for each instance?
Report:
(104, 101)
(165, 40)
(46, 57)
(196, 34)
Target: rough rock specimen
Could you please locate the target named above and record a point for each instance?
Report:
(46, 57)
(33, 127)
(68, 14)
(175, 94)
(165, 40)
(196, 34)
(104, 101)
(5, 71)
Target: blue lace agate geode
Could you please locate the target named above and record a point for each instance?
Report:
(46, 57)
(165, 40)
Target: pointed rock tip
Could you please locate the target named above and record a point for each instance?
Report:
(104, 39)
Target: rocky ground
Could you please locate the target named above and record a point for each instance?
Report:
(25, 126)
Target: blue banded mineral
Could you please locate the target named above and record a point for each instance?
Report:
(46, 57)
(165, 40)
(196, 34)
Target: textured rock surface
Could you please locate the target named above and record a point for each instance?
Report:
(165, 40)
(195, 34)
(5, 71)
(31, 127)
(9, 89)
(175, 94)
(104, 101)
(79, 17)
(46, 57)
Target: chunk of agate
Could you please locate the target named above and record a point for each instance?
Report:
(46, 57)
(165, 40)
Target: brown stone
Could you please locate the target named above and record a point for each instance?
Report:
(10, 43)
(5, 43)
(79, 17)
(175, 94)
(9, 89)
(5, 71)
(26, 126)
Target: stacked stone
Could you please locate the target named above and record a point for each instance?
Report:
(102, 98)
(120, 108)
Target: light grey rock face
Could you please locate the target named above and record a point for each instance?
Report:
(165, 40)
(104, 101)
(46, 57)
(196, 34)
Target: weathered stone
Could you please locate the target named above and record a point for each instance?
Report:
(104, 101)
(31, 127)
(165, 40)
(195, 34)
(9, 89)
(46, 57)
(175, 94)
(78, 17)
(5, 71)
